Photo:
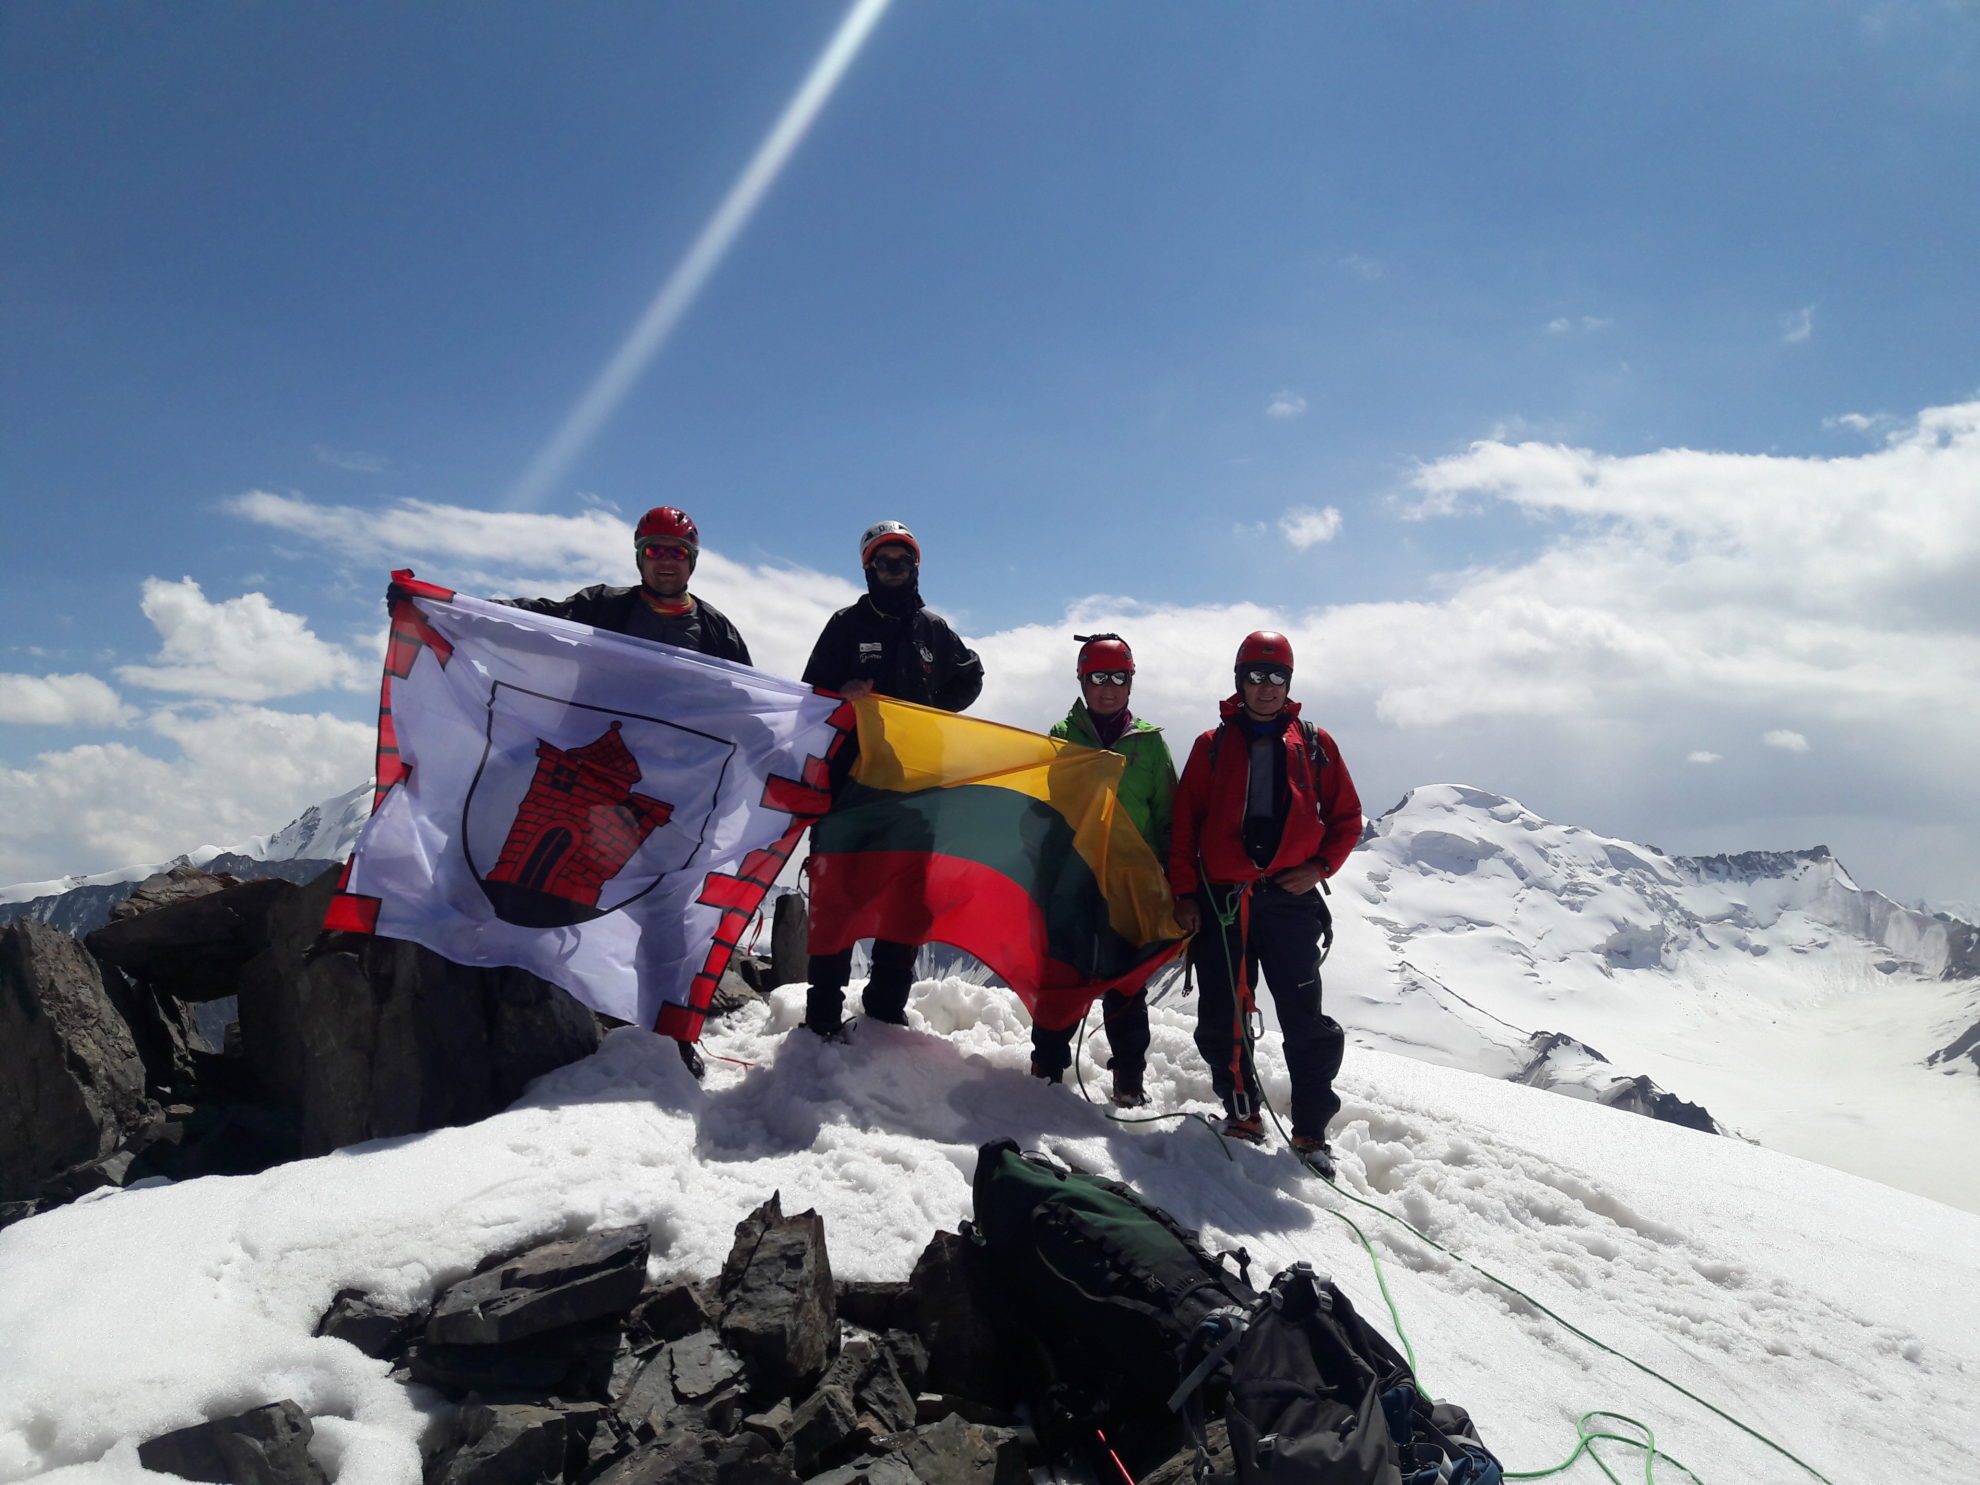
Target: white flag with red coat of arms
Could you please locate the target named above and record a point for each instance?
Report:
(602, 811)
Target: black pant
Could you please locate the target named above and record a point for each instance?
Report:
(887, 984)
(1125, 1019)
(1284, 941)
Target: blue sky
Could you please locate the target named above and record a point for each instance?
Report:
(1588, 389)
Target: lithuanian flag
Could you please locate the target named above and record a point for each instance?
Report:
(1008, 845)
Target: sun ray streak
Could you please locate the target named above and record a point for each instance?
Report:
(677, 295)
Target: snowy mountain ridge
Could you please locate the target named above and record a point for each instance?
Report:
(302, 849)
(324, 832)
(1767, 988)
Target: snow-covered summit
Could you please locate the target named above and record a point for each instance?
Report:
(1797, 1007)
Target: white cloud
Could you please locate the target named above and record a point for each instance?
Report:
(1700, 755)
(241, 649)
(509, 554)
(1305, 527)
(234, 772)
(60, 701)
(1799, 326)
(354, 460)
(1566, 324)
(1286, 405)
(1786, 740)
(1368, 270)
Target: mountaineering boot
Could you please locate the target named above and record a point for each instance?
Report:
(1128, 1092)
(834, 1030)
(692, 1060)
(1049, 1074)
(1312, 1149)
(1251, 1130)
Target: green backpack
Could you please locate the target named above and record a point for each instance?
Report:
(1107, 1304)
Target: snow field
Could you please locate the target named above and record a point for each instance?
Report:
(1839, 1317)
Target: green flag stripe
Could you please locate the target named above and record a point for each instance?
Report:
(1012, 834)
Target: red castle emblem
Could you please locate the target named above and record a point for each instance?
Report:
(576, 829)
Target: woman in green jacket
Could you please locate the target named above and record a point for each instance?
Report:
(1101, 719)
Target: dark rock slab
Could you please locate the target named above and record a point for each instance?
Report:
(266, 1446)
(670, 1310)
(191, 947)
(732, 992)
(773, 1425)
(884, 1397)
(72, 1086)
(505, 1445)
(910, 1357)
(955, 1452)
(375, 1328)
(547, 1288)
(702, 1366)
(933, 1407)
(395, 1040)
(180, 882)
(681, 1459)
(269, 990)
(790, 942)
(777, 1299)
(573, 1364)
(876, 1304)
(957, 1323)
(820, 1425)
(889, 1469)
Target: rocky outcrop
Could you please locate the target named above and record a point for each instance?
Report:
(314, 1041)
(562, 1364)
(776, 1296)
(72, 1086)
(267, 1446)
(189, 937)
(387, 1038)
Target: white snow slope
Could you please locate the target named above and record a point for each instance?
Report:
(1770, 988)
(1837, 1317)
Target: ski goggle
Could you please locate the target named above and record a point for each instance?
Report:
(1107, 677)
(666, 551)
(1262, 677)
(892, 566)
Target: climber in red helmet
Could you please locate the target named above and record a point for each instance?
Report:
(666, 545)
(1265, 812)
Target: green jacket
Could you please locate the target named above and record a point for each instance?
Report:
(1148, 785)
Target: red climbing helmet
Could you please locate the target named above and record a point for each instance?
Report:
(667, 523)
(1103, 652)
(1266, 647)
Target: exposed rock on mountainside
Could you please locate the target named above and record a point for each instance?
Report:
(72, 1087)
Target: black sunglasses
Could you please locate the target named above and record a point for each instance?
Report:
(1267, 677)
(892, 566)
(1107, 677)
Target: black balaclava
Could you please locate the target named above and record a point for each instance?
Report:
(900, 601)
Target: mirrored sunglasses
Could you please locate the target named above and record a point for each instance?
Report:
(666, 551)
(1268, 677)
(1107, 677)
(892, 566)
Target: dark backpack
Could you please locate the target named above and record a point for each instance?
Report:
(1107, 1303)
(1318, 1397)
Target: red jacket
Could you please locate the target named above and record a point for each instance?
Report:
(1322, 824)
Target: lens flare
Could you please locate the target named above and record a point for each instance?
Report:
(677, 295)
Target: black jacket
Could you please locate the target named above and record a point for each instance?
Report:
(915, 657)
(620, 610)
